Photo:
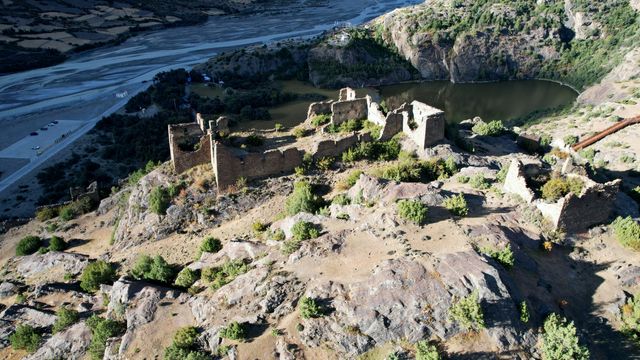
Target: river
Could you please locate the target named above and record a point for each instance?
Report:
(83, 89)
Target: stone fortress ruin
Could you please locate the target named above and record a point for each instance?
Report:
(198, 143)
(572, 212)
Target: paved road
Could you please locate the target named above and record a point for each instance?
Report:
(84, 87)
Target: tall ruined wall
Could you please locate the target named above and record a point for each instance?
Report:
(575, 213)
(516, 182)
(184, 160)
(351, 109)
(375, 115)
(229, 166)
(332, 147)
(394, 120)
(425, 125)
(319, 108)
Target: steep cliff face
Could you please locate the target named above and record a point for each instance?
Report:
(465, 41)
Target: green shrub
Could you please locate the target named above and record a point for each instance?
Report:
(96, 273)
(377, 150)
(302, 199)
(186, 337)
(57, 244)
(65, 318)
(217, 277)
(478, 181)
(413, 210)
(299, 132)
(259, 227)
(234, 331)
(557, 188)
(101, 330)
(372, 128)
(570, 140)
(309, 308)
(210, 245)
(28, 245)
(524, 312)
(492, 128)
(325, 163)
(303, 230)
(631, 317)
(341, 199)
(76, 208)
(186, 277)
(468, 313)
(351, 179)
(159, 200)
(627, 231)
(406, 171)
(504, 256)
(25, 338)
(588, 154)
(47, 213)
(457, 205)
(21, 298)
(320, 120)
(463, 179)
(254, 140)
(153, 268)
(560, 341)
(426, 351)
(278, 127)
(277, 235)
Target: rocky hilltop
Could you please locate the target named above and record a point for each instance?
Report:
(497, 242)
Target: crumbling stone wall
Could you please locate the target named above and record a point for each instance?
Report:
(92, 192)
(188, 133)
(319, 108)
(331, 147)
(229, 166)
(516, 181)
(394, 120)
(342, 111)
(347, 94)
(425, 125)
(578, 212)
(375, 115)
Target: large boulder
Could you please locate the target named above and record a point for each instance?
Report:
(50, 267)
(71, 344)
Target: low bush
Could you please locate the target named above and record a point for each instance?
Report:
(375, 151)
(468, 313)
(234, 331)
(159, 200)
(217, 277)
(346, 126)
(299, 132)
(277, 235)
(101, 330)
(96, 273)
(504, 256)
(320, 120)
(325, 163)
(426, 351)
(524, 312)
(560, 340)
(25, 338)
(309, 308)
(259, 227)
(492, 128)
(350, 180)
(76, 208)
(254, 140)
(570, 140)
(413, 210)
(631, 317)
(57, 244)
(65, 318)
(186, 277)
(627, 231)
(457, 205)
(303, 230)
(341, 199)
(47, 213)
(210, 245)
(153, 269)
(478, 181)
(558, 187)
(185, 346)
(28, 245)
(302, 199)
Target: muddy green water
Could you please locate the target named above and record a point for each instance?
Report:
(491, 101)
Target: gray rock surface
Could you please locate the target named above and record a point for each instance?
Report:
(70, 344)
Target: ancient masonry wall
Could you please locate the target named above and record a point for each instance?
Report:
(516, 183)
(394, 120)
(342, 111)
(347, 94)
(425, 126)
(229, 167)
(575, 213)
(319, 108)
(332, 147)
(375, 115)
(184, 160)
